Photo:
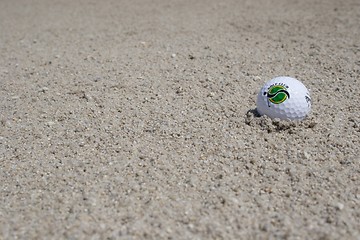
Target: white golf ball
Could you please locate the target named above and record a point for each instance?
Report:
(285, 98)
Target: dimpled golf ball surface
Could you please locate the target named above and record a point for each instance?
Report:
(285, 98)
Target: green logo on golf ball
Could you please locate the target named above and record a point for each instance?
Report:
(277, 94)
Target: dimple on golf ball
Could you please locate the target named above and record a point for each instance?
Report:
(285, 98)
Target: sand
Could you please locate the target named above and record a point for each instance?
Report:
(136, 120)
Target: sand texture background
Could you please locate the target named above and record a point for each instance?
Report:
(135, 120)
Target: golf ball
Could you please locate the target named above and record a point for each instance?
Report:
(285, 98)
